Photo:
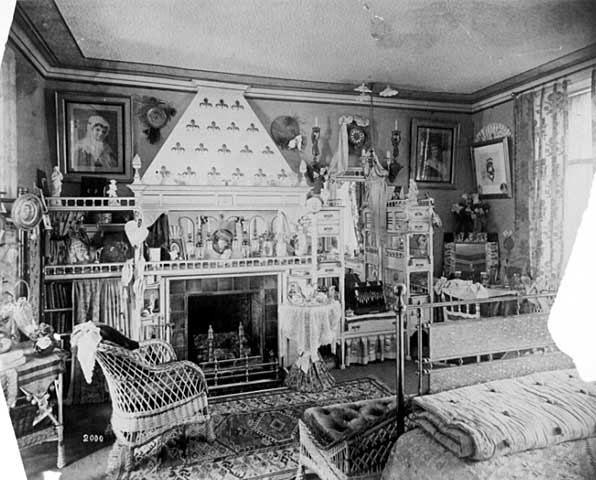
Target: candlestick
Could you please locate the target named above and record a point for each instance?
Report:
(394, 167)
(395, 141)
(314, 137)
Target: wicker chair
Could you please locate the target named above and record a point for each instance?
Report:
(152, 394)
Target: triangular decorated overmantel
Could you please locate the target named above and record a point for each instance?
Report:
(219, 156)
(219, 140)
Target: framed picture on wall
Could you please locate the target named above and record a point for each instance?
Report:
(492, 170)
(94, 135)
(433, 145)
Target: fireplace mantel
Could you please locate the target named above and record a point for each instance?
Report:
(157, 199)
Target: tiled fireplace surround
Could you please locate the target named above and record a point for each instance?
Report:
(265, 287)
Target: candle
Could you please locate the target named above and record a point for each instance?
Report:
(316, 121)
(395, 124)
(388, 154)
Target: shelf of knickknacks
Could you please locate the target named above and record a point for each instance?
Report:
(99, 270)
(91, 203)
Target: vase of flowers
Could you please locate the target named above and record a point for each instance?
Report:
(508, 244)
(471, 215)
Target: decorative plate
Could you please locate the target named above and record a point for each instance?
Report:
(27, 211)
(156, 117)
(222, 240)
(314, 204)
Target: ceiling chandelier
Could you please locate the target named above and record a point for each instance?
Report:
(371, 164)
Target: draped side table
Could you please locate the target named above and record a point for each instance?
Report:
(33, 379)
(309, 327)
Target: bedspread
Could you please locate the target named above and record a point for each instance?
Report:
(416, 456)
(508, 416)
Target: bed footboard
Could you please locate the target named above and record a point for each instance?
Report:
(467, 352)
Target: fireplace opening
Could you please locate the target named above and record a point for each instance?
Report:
(232, 333)
(221, 327)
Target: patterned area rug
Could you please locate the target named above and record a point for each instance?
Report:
(256, 435)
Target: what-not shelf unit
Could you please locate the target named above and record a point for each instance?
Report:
(57, 302)
(409, 258)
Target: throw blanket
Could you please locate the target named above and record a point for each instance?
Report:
(508, 416)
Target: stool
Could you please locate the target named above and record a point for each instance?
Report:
(347, 440)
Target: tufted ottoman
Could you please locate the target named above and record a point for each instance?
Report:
(347, 440)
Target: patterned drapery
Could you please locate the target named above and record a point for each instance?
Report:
(541, 122)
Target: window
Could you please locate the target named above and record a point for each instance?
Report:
(580, 166)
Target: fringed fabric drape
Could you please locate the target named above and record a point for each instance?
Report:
(541, 122)
(100, 301)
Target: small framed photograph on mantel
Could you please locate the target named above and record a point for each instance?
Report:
(94, 135)
(433, 145)
(492, 169)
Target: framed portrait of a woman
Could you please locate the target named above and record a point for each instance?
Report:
(94, 135)
(433, 152)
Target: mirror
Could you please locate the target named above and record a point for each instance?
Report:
(352, 193)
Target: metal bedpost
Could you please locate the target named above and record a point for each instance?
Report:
(399, 358)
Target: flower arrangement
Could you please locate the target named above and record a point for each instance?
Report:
(471, 214)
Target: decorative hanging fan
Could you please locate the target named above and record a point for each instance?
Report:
(492, 131)
(155, 114)
(284, 129)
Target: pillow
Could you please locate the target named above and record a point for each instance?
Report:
(110, 334)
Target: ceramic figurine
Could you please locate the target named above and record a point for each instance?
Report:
(413, 192)
(112, 191)
(56, 179)
(281, 249)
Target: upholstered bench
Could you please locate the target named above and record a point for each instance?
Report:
(347, 440)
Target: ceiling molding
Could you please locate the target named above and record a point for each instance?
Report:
(26, 38)
(23, 42)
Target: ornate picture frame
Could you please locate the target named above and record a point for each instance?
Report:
(433, 152)
(93, 135)
(492, 168)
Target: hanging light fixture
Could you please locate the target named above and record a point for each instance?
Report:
(369, 159)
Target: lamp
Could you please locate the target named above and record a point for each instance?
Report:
(369, 159)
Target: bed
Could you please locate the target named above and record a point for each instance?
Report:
(498, 401)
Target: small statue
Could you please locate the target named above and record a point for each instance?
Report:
(112, 191)
(413, 192)
(56, 179)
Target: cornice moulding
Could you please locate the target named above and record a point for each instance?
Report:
(21, 40)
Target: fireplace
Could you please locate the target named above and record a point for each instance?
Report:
(228, 326)
(222, 327)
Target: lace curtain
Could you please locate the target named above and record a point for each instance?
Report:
(541, 120)
(8, 124)
(571, 321)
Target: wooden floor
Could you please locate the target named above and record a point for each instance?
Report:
(92, 420)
